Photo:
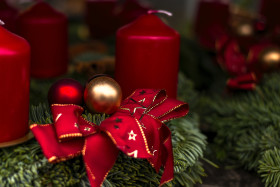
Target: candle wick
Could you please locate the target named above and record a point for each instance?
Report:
(2, 22)
(160, 11)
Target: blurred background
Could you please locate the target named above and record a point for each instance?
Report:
(184, 11)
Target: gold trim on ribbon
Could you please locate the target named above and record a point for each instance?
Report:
(84, 148)
(164, 182)
(112, 138)
(171, 110)
(68, 105)
(127, 109)
(156, 104)
(35, 125)
(164, 91)
(131, 94)
(90, 172)
(55, 159)
(144, 137)
(88, 122)
(151, 163)
(71, 135)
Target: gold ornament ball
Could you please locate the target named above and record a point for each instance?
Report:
(269, 59)
(103, 95)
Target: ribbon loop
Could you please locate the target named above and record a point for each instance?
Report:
(66, 119)
(54, 150)
(145, 98)
(170, 109)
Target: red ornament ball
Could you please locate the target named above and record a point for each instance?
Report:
(66, 91)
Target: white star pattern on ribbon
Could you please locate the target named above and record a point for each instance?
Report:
(134, 109)
(132, 136)
(134, 154)
(76, 125)
(57, 117)
(154, 150)
(142, 101)
(87, 129)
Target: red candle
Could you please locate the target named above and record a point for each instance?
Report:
(100, 17)
(211, 21)
(147, 55)
(131, 10)
(46, 31)
(270, 10)
(104, 17)
(14, 94)
(8, 15)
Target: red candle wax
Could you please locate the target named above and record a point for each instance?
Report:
(100, 17)
(270, 10)
(104, 17)
(211, 21)
(14, 94)
(8, 15)
(131, 10)
(147, 55)
(46, 31)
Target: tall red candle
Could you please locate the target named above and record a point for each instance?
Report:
(211, 21)
(147, 55)
(8, 15)
(14, 81)
(46, 31)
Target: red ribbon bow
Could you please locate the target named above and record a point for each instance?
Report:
(234, 62)
(136, 128)
(243, 82)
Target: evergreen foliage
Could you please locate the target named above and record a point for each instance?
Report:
(198, 65)
(247, 127)
(269, 167)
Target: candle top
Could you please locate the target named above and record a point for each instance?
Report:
(11, 43)
(147, 25)
(42, 11)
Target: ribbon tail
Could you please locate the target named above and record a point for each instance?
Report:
(100, 154)
(167, 156)
(54, 150)
(246, 78)
(243, 82)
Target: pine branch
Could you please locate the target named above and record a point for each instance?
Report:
(269, 167)
(40, 114)
(188, 147)
(247, 126)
